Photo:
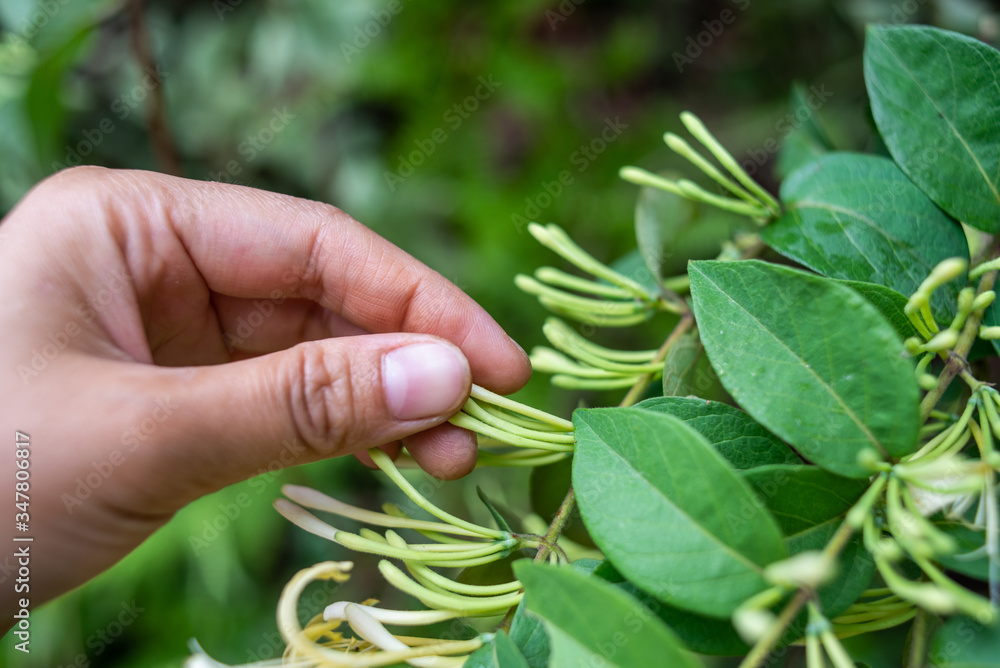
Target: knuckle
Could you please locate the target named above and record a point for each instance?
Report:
(323, 405)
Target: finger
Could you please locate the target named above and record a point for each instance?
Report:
(253, 244)
(446, 451)
(391, 449)
(265, 326)
(316, 400)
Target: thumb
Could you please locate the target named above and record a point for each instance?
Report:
(317, 400)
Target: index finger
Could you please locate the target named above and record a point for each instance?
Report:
(256, 244)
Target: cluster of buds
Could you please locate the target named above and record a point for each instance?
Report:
(900, 528)
(932, 341)
(608, 299)
(876, 609)
(526, 436)
(532, 437)
(321, 644)
(748, 198)
(578, 363)
(452, 543)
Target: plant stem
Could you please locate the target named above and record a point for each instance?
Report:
(156, 117)
(763, 647)
(956, 360)
(687, 321)
(918, 639)
(568, 503)
(558, 524)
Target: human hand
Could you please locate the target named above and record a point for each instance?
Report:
(165, 338)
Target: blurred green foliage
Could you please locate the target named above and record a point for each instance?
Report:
(373, 106)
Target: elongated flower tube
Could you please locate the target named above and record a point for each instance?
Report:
(311, 498)
(392, 617)
(612, 300)
(436, 554)
(469, 606)
(375, 649)
(514, 424)
(698, 130)
(369, 628)
(555, 238)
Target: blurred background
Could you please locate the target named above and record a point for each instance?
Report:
(445, 127)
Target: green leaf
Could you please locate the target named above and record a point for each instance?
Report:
(807, 141)
(482, 658)
(888, 302)
(497, 517)
(965, 643)
(734, 434)
(968, 540)
(660, 502)
(632, 265)
(857, 217)
(705, 635)
(44, 100)
(798, 149)
(591, 622)
(529, 635)
(801, 102)
(679, 365)
(502, 652)
(800, 497)
(659, 216)
(809, 359)
(506, 652)
(934, 96)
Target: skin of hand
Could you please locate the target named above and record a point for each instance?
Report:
(164, 338)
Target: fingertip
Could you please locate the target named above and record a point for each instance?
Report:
(446, 452)
(506, 369)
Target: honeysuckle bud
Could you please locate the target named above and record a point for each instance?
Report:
(918, 300)
(927, 382)
(966, 300)
(395, 617)
(946, 270)
(983, 300)
(871, 460)
(943, 340)
(806, 569)
(989, 333)
(752, 624)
